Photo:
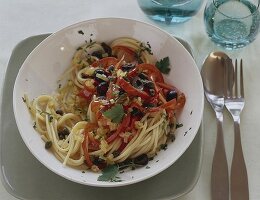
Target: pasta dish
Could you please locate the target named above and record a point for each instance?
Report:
(113, 106)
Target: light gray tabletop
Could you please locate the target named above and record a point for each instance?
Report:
(22, 19)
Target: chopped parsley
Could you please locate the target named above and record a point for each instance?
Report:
(24, 100)
(81, 32)
(116, 113)
(179, 125)
(163, 65)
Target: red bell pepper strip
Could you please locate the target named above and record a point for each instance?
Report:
(88, 128)
(168, 105)
(105, 62)
(122, 146)
(122, 127)
(128, 54)
(181, 99)
(86, 94)
(133, 73)
(136, 105)
(132, 90)
(152, 71)
(166, 86)
(86, 154)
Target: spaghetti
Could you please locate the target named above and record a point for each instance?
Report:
(115, 106)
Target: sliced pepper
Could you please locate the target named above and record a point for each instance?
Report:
(122, 127)
(132, 90)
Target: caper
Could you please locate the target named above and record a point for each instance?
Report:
(48, 144)
(59, 112)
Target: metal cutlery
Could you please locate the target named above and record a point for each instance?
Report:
(213, 80)
(234, 102)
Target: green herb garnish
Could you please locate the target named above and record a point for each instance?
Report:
(109, 174)
(163, 65)
(116, 113)
(34, 125)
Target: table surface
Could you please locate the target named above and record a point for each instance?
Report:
(22, 19)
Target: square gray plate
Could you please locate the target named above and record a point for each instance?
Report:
(26, 178)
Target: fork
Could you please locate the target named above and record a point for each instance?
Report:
(234, 102)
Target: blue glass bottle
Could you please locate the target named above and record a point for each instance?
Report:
(170, 11)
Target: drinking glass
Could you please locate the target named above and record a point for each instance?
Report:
(170, 11)
(232, 24)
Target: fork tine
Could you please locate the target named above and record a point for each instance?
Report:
(241, 79)
(225, 78)
(236, 86)
(230, 83)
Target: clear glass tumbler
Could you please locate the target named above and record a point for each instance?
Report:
(232, 23)
(170, 11)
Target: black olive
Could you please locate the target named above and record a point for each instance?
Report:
(59, 112)
(121, 91)
(127, 67)
(63, 133)
(98, 161)
(143, 76)
(102, 89)
(97, 54)
(136, 112)
(149, 84)
(137, 83)
(172, 94)
(141, 160)
(100, 72)
(107, 48)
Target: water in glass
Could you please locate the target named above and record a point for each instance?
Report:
(232, 23)
(170, 11)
